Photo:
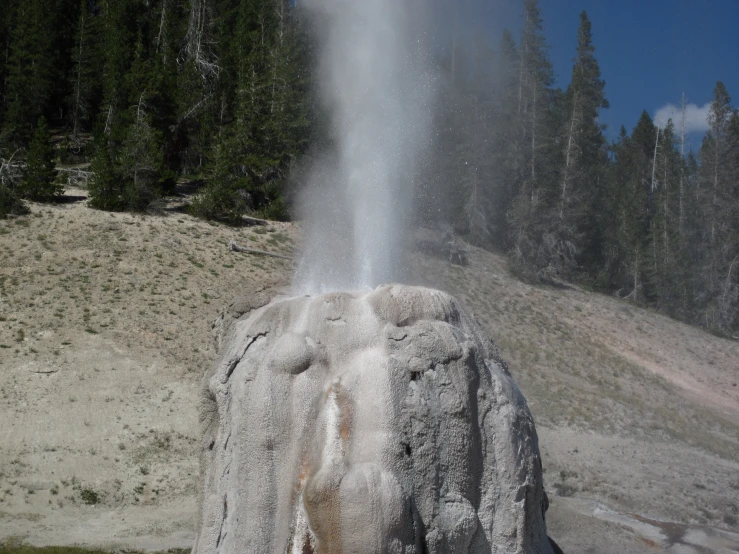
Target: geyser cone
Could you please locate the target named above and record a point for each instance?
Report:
(372, 422)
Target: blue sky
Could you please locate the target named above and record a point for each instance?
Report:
(650, 51)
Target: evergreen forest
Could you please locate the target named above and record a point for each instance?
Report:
(129, 97)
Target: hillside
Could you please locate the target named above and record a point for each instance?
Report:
(105, 332)
(637, 414)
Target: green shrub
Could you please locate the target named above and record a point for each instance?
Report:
(105, 191)
(89, 496)
(39, 175)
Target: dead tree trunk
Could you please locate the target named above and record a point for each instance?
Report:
(233, 247)
(568, 156)
(682, 167)
(654, 164)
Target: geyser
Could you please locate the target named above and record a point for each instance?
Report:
(376, 85)
(378, 422)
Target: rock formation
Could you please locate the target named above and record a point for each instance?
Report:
(379, 422)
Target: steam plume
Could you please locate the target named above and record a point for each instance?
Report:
(377, 87)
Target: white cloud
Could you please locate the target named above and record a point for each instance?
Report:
(696, 117)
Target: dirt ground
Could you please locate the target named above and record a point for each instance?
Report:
(637, 414)
(105, 332)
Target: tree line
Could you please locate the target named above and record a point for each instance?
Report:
(151, 90)
(221, 92)
(523, 166)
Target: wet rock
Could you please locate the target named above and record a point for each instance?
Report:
(379, 422)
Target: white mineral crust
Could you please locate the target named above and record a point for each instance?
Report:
(367, 422)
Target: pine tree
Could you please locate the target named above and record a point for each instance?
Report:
(536, 253)
(582, 175)
(536, 97)
(65, 18)
(206, 85)
(461, 171)
(718, 175)
(105, 187)
(442, 200)
(611, 276)
(117, 51)
(270, 126)
(140, 152)
(505, 134)
(667, 255)
(164, 46)
(143, 163)
(257, 128)
(6, 26)
(30, 71)
(39, 174)
(226, 195)
(634, 204)
(85, 74)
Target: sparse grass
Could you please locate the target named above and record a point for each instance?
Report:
(568, 379)
(196, 263)
(18, 547)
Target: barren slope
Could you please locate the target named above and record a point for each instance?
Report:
(105, 332)
(638, 414)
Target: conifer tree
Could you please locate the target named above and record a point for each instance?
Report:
(30, 71)
(535, 97)
(118, 48)
(85, 75)
(475, 146)
(270, 126)
(611, 277)
(718, 175)
(6, 26)
(506, 146)
(534, 247)
(142, 163)
(634, 200)
(39, 174)
(584, 163)
(443, 201)
(105, 187)
(140, 152)
(667, 255)
(65, 19)
(205, 81)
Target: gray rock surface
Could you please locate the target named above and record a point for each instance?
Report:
(380, 422)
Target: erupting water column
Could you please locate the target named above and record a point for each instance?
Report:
(375, 81)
